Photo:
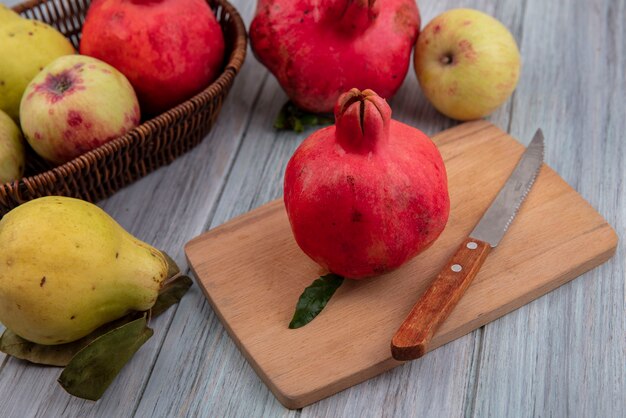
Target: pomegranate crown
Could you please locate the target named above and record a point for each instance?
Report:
(351, 16)
(361, 120)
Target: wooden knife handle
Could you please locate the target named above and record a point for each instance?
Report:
(413, 337)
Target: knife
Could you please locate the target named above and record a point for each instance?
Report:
(414, 335)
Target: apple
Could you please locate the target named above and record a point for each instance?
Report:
(11, 150)
(74, 105)
(26, 46)
(170, 50)
(467, 63)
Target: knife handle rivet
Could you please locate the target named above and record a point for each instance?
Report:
(472, 245)
(456, 268)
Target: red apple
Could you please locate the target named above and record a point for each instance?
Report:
(168, 49)
(75, 104)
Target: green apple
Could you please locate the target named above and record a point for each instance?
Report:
(11, 150)
(74, 105)
(467, 63)
(26, 46)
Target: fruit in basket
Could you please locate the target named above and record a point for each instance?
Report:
(467, 63)
(368, 194)
(11, 150)
(67, 268)
(7, 15)
(168, 49)
(74, 105)
(26, 46)
(319, 49)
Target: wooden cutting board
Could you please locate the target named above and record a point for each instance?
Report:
(252, 272)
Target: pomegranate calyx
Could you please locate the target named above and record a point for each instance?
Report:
(361, 120)
(354, 16)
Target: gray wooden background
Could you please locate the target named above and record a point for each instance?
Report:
(563, 355)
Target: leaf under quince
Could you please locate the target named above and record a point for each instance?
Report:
(92, 370)
(54, 355)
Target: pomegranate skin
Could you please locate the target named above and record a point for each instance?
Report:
(367, 195)
(168, 49)
(318, 49)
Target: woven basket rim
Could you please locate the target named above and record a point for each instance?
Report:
(232, 67)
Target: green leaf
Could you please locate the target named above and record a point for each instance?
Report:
(54, 355)
(281, 119)
(297, 124)
(172, 267)
(314, 299)
(171, 293)
(309, 119)
(93, 369)
(292, 118)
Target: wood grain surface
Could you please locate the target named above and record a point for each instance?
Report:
(562, 355)
(253, 272)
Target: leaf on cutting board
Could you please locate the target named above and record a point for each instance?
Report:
(292, 118)
(54, 355)
(314, 299)
(171, 293)
(93, 369)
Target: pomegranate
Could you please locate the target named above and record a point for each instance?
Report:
(318, 49)
(368, 194)
(168, 49)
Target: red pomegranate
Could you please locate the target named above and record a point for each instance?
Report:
(318, 49)
(368, 194)
(168, 49)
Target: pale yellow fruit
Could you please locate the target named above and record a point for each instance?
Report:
(26, 46)
(7, 14)
(76, 104)
(67, 268)
(467, 63)
(11, 150)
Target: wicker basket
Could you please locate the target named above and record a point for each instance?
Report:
(156, 142)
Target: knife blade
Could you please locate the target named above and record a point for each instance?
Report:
(411, 340)
(495, 222)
